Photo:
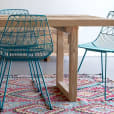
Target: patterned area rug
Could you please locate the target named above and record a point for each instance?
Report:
(21, 97)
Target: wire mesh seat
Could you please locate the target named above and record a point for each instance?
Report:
(26, 37)
(104, 43)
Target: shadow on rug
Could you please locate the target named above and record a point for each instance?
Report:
(22, 98)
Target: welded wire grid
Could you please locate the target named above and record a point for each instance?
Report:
(13, 11)
(27, 36)
(105, 38)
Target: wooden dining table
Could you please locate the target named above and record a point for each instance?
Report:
(69, 24)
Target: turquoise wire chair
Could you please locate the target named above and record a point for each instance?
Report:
(28, 38)
(104, 43)
(13, 11)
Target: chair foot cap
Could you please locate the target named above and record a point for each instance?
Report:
(1, 109)
(51, 108)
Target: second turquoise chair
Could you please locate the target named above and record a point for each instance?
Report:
(104, 43)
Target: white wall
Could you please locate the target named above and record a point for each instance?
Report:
(95, 7)
(92, 7)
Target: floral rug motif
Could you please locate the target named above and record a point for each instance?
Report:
(21, 97)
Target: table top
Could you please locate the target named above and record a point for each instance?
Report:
(72, 20)
(78, 20)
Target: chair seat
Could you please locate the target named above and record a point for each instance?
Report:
(26, 53)
(90, 46)
(104, 43)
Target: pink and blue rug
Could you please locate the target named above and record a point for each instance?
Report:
(21, 97)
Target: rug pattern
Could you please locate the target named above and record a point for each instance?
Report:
(21, 97)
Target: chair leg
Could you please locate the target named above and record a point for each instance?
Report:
(1, 65)
(9, 69)
(38, 69)
(33, 75)
(101, 69)
(2, 75)
(82, 60)
(102, 66)
(105, 88)
(105, 76)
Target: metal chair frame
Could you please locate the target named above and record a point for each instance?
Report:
(101, 44)
(35, 30)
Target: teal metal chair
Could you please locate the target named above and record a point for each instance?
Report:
(104, 43)
(13, 11)
(26, 38)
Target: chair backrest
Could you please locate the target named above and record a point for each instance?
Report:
(27, 31)
(105, 38)
(13, 11)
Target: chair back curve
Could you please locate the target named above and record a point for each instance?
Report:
(13, 11)
(105, 39)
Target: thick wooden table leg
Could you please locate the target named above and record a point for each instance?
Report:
(69, 91)
(60, 57)
(73, 62)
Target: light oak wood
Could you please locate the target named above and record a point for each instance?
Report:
(60, 57)
(73, 61)
(64, 88)
(71, 20)
(70, 24)
(78, 20)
